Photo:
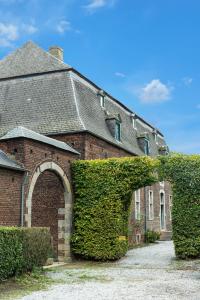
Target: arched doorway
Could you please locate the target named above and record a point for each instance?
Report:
(49, 204)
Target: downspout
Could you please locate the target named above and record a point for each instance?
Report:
(145, 209)
(22, 199)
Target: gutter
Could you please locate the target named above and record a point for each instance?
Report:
(25, 177)
(145, 209)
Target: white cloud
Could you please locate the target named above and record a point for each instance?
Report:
(63, 26)
(187, 81)
(9, 33)
(30, 29)
(93, 5)
(154, 92)
(119, 74)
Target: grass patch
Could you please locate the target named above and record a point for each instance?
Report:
(25, 284)
(189, 264)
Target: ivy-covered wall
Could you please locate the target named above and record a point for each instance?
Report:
(103, 191)
(183, 171)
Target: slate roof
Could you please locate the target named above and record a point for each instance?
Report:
(61, 102)
(8, 163)
(29, 59)
(20, 131)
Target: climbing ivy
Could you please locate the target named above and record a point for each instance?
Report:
(183, 171)
(103, 191)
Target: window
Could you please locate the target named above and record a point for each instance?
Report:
(134, 123)
(151, 207)
(137, 205)
(118, 131)
(162, 210)
(146, 146)
(102, 100)
(170, 207)
(162, 184)
(156, 138)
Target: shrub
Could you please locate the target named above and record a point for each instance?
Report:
(183, 171)
(21, 249)
(103, 191)
(151, 236)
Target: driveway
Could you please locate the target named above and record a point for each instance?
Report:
(151, 272)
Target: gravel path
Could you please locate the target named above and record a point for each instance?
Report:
(145, 273)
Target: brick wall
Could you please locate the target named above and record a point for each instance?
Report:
(91, 147)
(10, 194)
(48, 194)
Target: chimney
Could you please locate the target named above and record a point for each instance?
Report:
(57, 52)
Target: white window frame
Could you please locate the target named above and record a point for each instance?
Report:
(102, 100)
(137, 204)
(118, 131)
(170, 207)
(147, 147)
(134, 123)
(151, 205)
(162, 184)
(164, 204)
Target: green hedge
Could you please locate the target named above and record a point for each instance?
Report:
(21, 249)
(183, 171)
(151, 236)
(103, 191)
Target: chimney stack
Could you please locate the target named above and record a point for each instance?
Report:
(57, 52)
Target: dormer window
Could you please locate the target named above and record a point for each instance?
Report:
(133, 120)
(102, 101)
(146, 147)
(101, 95)
(118, 131)
(155, 135)
(134, 123)
(143, 141)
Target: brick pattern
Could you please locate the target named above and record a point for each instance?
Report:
(10, 191)
(48, 195)
(91, 147)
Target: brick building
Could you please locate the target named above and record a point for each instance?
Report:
(50, 114)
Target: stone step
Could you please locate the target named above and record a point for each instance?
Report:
(166, 236)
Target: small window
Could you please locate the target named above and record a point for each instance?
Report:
(137, 205)
(151, 206)
(134, 123)
(146, 147)
(162, 184)
(170, 207)
(102, 100)
(118, 131)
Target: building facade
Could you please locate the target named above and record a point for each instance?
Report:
(50, 115)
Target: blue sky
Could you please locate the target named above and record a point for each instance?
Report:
(146, 53)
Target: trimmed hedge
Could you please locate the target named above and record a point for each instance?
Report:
(151, 236)
(183, 171)
(22, 249)
(103, 191)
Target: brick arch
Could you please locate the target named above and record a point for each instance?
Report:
(64, 225)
